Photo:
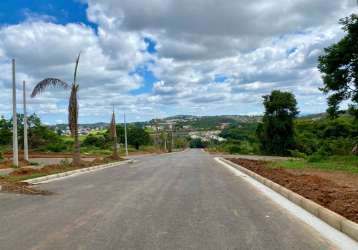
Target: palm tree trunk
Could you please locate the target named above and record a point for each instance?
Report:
(115, 149)
(76, 156)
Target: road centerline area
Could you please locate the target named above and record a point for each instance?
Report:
(177, 201)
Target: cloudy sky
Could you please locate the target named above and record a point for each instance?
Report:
(155, 58)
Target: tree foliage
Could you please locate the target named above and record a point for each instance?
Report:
(276, 132)
(137, 136)
(5, 131)
(339, 68)
(326, 136)
(197, 143)
(40, 136)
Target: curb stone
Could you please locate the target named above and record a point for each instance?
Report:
(77, 171)
(333, 219)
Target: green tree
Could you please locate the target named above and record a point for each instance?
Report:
(96, 140)
(5, 131)
(276, 132)
(339, 68)
(197, 143)
(120, 133)
(137, 136)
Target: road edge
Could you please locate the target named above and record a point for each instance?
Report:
(53, 177)
(331, 218)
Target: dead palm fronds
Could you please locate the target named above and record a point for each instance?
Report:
(72, 106)
(113, 132)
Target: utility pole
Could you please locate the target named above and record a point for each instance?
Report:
(173, 136)
(165, 141)
(26, 147)
(156, 133)
(125, 134)
(15, 149)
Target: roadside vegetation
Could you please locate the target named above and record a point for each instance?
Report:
(44, 139)
(347, 163)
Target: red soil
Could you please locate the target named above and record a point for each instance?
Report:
(341, 199)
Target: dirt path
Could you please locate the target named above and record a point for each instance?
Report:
(334, 195)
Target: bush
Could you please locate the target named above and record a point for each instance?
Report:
(197, 143)
(56, 147)
(318, 156)
(233, 149)
(298, 154)
(65, 163)
(98, 141)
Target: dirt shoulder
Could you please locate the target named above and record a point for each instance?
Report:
(327, 190)
(34, 154)
(12, 182)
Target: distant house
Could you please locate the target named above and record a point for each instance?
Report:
(224, 125)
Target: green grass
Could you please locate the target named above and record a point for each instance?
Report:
(95, 151)
(332, 163)
(24, 177)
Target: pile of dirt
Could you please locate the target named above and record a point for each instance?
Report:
(341, 199)
(8, 163)
(20, 187)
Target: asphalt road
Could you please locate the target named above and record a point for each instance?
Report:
(177, 201)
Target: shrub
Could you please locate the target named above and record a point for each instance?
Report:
(197, 143)
(233, 149)
(56, 147)
(318, 156)
(98, 141)
(298, 154)
(65, 163)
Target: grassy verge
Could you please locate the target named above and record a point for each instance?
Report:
(332, 163)
(24, 174)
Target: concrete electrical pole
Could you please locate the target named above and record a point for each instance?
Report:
(125, 134)
(172, 136)
(26, 147)
(15, 149)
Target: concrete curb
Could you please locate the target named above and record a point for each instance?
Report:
(73, 172)
(333, 219)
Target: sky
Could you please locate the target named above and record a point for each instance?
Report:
(159, 58)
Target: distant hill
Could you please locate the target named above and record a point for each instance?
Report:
(197, 122)
(313, 116)
(84, 125)
(207, 122)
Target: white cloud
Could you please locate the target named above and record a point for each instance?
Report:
(257, 45)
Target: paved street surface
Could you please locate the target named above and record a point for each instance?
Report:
(177, 201)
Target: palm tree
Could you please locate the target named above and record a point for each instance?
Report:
(113, 132)
(72, 107)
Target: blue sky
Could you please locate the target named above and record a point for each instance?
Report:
(58, 11)
(198, 58)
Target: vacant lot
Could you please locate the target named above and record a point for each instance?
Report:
(330, 192)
